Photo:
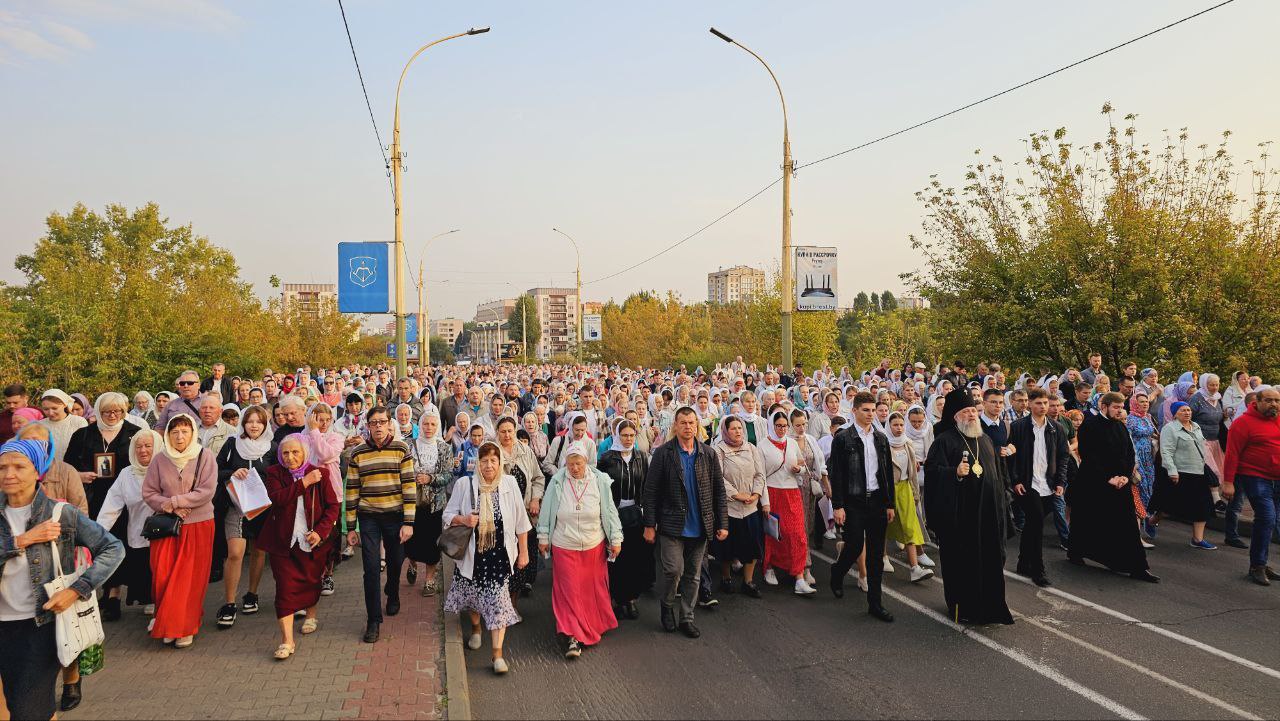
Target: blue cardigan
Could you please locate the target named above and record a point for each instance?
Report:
(551, 505)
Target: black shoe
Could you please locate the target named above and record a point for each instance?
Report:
(708, 602)
(726, 585)
(227, 616)
(371, 632)
(70, 696)
(110, 609)
(393, 606)
(837, 588)
(751, 590)
(690, 630)
(1147, 576)
(1041, 580)
(668, 619)
(525, 590)
(1258, 574)
(411, 575)
(1235, 543)
(631, 610)
(1077, 561)
(881, 613)
(1271, 575)
(249, 604)
(1220, 506)
(1063, 546)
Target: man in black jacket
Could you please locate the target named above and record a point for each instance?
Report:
(684, 506)
(862, 495)
(219, 383)
(1037, 473)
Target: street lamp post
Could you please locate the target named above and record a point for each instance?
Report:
(577, 293)
(788, 168)
(497, 333)
(397, 158)
(424, 329)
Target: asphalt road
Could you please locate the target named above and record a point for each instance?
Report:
(1201, 644)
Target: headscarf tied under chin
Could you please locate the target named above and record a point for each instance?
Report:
(38, 452)
(300, 471)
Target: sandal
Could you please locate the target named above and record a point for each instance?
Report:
(310, 625)
(283, 651)
(430, 587)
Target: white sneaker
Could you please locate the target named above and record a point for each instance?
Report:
(152, 624)
(737, 565)
(804, 589)
(808, 578)
(770, 577)
(888, 565)
(862, 583)
(149, 610)
(499, 665)
(925, 561)
(899, 545)
(1147, 545)
(920, 574)
(184, 642)
(473, 643)
(830, 535)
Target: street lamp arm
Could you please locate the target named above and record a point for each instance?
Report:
(776, 84)
(421, 50)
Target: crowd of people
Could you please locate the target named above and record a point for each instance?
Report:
(614, 480)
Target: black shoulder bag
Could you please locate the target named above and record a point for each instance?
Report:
(169, 525)
(454, 540)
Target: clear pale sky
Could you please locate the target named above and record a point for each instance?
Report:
(627, 125)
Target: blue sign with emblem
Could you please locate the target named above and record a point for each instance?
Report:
(364, 274)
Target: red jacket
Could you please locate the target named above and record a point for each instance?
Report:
(1253, 447)
(319, 503)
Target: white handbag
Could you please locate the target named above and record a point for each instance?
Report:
(80, 626)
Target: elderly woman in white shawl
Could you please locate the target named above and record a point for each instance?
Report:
(433, 468)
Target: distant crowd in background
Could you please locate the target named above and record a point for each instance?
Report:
(691, 483)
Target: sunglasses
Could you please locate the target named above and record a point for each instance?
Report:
(186, 383)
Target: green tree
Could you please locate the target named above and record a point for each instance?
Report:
(440, 350)
(875, 303)
(525, 304)
(463, 340)
(861, 303)
(888, 303)
(1139, 253)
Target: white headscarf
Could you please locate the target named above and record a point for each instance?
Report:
(157, 447)
(181, 458)
(428, 450)
(110, 398)
(251, 449)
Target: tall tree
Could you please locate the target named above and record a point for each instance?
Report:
(888, 303)
(1140, 254)
(523, 319)
(861, 303)
(875, 303)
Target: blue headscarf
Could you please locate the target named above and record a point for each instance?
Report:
(39, 453)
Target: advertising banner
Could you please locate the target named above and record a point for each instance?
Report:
(364, 272)
(815, 278)
(592, 328)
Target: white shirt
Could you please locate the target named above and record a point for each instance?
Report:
(126, 492)
(869, 460)
(1040, 459)
(578, 530)
(17, 599)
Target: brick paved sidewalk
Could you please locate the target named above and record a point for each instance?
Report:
(231, 674)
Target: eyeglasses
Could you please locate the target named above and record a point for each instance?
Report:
(375, 424)
(112, 412)
(186, 383)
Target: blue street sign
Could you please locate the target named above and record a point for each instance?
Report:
(364, 272)
(411, 329)
(391, 350)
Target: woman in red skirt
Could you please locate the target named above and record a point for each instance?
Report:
(181, 481)
(577, 521)
(304, 507)
(785, 470)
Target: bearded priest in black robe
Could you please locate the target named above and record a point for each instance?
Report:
(966, 506)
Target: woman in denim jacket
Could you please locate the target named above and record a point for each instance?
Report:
(29, 665)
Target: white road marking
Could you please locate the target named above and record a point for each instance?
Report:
(1022, 659)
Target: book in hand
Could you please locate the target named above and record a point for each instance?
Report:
(249, 494)
(771, 526)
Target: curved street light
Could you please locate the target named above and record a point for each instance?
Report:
(424, 328)
(788, 167)
(577, 293)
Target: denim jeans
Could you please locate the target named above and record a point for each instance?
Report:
(1231, 523)
(376, 532)
(1060, 518)
(1264, 497)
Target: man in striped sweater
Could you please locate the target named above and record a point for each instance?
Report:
(381, 491)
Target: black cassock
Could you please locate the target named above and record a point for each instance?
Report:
(1104, 525)
(968, 515)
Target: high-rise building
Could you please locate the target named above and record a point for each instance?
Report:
(309, 299)
(557, 319)
(912, 301)
(447, 328)
(730, 285)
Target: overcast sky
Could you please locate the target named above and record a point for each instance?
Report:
(626, 125)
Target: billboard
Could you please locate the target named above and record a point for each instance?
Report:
(364, 272)
(815, 278)
(411, 328)
(591, 328)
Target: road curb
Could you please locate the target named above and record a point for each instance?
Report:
(455, 662)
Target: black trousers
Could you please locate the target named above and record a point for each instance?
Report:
(865, 522)
(1035, 508)
(29, 668)
(379, 531)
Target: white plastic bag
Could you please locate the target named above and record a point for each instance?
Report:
(80, 626)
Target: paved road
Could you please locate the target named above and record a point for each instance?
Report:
(230, 673)
(1202, 644)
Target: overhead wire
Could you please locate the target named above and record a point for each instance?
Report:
(910, 128)
(386, 163)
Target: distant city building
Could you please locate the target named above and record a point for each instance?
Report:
(730, 285)
(309, 299)
(558, 320)
(592, 307)
(447, 328)
(491, 331)
(912, 301)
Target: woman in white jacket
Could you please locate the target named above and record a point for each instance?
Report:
(492, 504)
(785, 470)
(126, 494)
